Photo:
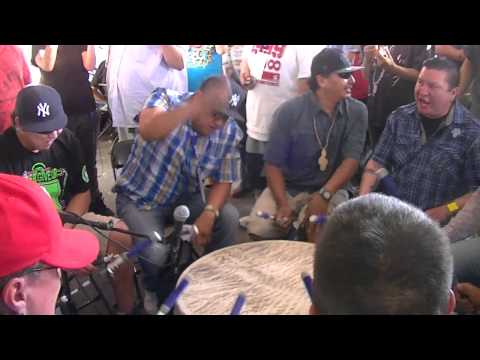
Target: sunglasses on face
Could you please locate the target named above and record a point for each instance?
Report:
(345, 76)
(47, 132)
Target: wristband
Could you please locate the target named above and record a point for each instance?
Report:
(453, 207)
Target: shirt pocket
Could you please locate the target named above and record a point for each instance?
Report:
(448, 160)
(404, 151)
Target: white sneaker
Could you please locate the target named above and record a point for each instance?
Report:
(244, 221)
(150, 302)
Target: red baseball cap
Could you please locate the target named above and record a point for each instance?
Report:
(31, 230)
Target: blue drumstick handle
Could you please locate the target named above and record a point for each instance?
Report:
(265, 215)
(318, 219)
(138, 248)
(173, 297)
(237, 307)
(308, 282)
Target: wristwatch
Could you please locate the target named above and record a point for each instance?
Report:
(212, 209)
(325, 194)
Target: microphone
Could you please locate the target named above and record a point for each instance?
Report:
(386, 184)
(180, 215)
(118, 260)
(69, 217)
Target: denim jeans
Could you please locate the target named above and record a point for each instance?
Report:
(147, 221)
(466, 257)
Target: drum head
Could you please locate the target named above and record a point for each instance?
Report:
(267, 272)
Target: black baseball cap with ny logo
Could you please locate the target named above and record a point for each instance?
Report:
(40, 109)
(330, 61)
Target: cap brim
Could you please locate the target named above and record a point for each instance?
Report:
(350, 69)
(59, 122)
(75, 250)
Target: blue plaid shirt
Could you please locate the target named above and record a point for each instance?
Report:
(433, 172)
(157, 173)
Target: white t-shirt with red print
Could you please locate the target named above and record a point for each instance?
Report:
(276, 69)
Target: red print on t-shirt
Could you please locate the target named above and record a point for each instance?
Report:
(273, 63)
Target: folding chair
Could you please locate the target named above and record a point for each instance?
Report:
(119, 154)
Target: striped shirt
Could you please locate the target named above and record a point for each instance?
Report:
(158, 172)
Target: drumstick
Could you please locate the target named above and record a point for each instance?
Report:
(173, 297)
(307, 281)
(237, 307)
(265, 215)
(318, 219)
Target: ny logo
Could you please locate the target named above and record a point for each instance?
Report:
(234, 99)
(43, 110)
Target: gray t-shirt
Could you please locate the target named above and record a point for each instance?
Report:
(294, 148)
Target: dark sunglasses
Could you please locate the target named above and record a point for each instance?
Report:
(345, 76)
(47, 132)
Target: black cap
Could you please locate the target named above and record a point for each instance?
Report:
(330, 61)
(237, 96)
(39, 108)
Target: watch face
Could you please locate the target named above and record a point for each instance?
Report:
(327, 195)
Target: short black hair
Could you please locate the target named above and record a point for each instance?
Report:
(379, 255)
(214, 82)
(443, 64)
(312, 83)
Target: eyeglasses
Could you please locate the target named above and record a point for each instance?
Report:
(345, 76)
(41, 267)
(33, 269)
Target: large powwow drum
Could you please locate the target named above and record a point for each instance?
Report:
(267, 272)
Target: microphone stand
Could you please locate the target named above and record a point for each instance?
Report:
(177, 252)
(108, 226)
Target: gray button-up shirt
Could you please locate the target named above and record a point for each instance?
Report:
(294, 148)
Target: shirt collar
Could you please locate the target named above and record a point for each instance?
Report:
(317, 107)
(453, 115)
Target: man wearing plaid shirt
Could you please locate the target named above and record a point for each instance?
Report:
(430, 148)
(183, 139)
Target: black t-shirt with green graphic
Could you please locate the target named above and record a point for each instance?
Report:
(60, 170)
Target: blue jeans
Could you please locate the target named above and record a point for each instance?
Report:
(147, 221)
(466, 257)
